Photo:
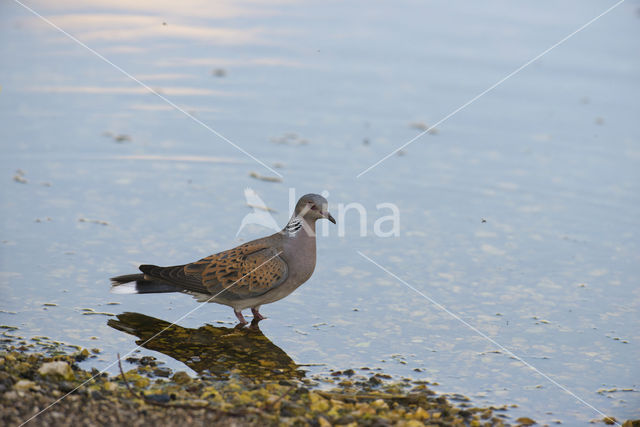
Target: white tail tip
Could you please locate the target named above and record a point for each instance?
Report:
(127, 288)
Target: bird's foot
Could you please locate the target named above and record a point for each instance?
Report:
(256, 314)
(240, 317)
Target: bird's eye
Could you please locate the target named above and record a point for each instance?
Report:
(314, 207)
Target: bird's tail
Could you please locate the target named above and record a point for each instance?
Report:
(137, 284)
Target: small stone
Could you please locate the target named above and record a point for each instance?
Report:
(24, 385)
(11, 395)
(375, 381)
(96, 395)
(346, 419)
(291, 409)
(81, 355)
(318, 403)
(148, 361)
(160, 398)
(181, 378)
(110, 386)
(162, 372)
(59, 368)
(66, 386)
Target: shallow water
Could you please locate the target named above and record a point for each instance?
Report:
(520, 215)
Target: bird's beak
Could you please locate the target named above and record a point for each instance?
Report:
(330, 218)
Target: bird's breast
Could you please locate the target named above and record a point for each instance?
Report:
(301, 259)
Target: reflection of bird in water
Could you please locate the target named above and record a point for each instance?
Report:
(212, 350)
(261, 214)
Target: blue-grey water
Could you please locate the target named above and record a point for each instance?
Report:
(519, 215)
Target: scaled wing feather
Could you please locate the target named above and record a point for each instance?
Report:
(246, 271)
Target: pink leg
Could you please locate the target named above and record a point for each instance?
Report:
(240, 317)
(256, 314)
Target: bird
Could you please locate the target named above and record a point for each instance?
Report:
(255, 273)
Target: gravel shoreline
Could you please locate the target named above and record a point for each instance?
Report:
(43, 385)
(30, 382)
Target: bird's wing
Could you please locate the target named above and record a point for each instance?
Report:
(246, 271)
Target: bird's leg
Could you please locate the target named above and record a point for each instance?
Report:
(240, 317)
(256, 313)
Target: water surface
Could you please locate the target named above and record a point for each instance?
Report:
(520, 215)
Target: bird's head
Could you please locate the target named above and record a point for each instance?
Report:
(312, 207)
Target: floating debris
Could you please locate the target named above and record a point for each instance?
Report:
(119, 138)
(19, 177)
(290, 138)
(94, 221)
(265, 178)
(421, 126)
(89, 311)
